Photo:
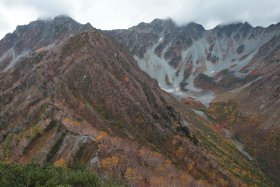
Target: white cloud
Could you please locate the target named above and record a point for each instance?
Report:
(10, 17)
(112, 14)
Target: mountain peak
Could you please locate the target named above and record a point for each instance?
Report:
(37, 35)
(163, 21)
(234, 25)
(194, 26)
(230, 28)
(63, 18)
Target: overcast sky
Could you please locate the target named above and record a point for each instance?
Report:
(112, 14)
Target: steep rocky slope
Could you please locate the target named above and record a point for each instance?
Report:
(85, 102)
(259, 108)
(37, 36)
(191, 61)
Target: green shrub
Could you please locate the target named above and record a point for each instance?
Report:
(30, 175)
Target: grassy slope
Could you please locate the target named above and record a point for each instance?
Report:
(229, 157)
(17, 175)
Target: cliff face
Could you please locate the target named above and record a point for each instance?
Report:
(191, 61)
(85, 102)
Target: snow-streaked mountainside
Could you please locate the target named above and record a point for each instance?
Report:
(191, 61)
(38, 36)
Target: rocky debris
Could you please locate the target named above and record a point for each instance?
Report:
(171, 50)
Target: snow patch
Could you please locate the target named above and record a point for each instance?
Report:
(200, 113)
(8, 53)
(240, 147)
(16, 58)
(46, 48)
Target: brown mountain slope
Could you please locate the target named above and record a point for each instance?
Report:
(259, 106)
(85, 102)
(258, 124)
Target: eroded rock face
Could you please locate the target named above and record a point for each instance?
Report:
(171, 50)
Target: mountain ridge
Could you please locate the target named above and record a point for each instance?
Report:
(45, 33)
(175, 56)
(85, 101)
